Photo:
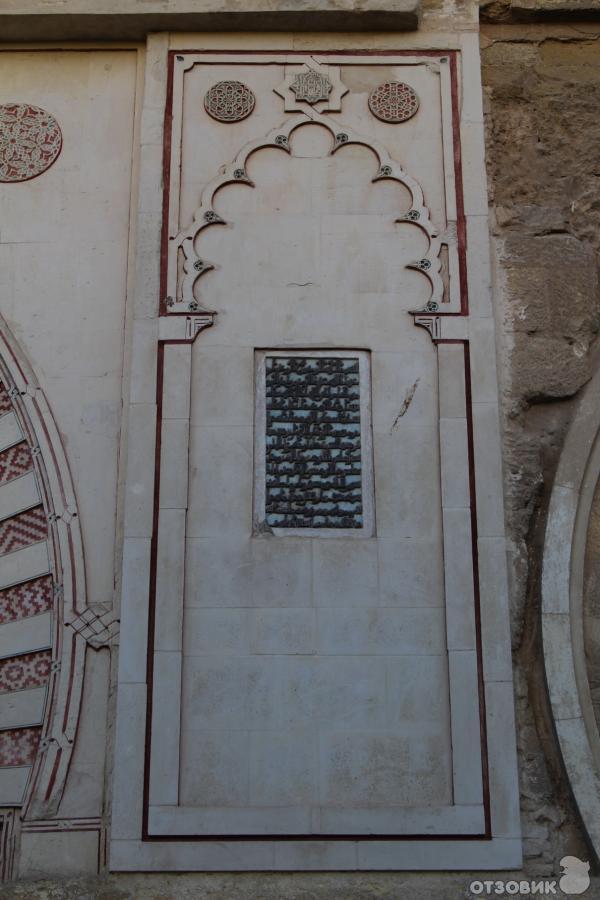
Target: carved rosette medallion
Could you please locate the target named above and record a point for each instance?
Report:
(229, 101)
(311, 86)
(30, 141)
(394, 102)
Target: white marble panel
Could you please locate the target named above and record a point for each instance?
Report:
(257, 572)
(482, 353)
(174, 463)
(215, 768)
(451, 367)
(454, 452)
(458, 569)
(222, 385)
(404, 388)
(19, 494)
(140, 469)
(128, 782)
(483, 856)
(289, 631)
(22, 565)
(19, 709)
(417, 690)
(26, 635)
(315, 855)
(466, 729)
(479, 273)
(502, 759)
(265, 855)
(10, 431)
(13, 781)
(161, 856)
(59, 854)
(409, 767)
(407, 630)
(407, 489)
(144, 361)
(134, 605)
(473, 155)
(176, 381)
(488, 470)
(317, 672)
(495, 627)
(429, 820)
(170, 579)
(283, 767)
(216, 631)
(277, 692)
(411, 573)
(342, 577)
(220, 500)
(223, 820)
(164, 757)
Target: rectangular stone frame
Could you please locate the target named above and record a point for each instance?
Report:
(481, 830)
(368, 527)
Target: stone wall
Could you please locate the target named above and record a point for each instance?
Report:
(542, 88)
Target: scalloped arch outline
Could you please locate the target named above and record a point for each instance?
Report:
(236, 173)
(67, 567)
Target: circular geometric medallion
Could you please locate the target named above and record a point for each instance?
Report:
(393, 101)
(229, 101)
(30, 141)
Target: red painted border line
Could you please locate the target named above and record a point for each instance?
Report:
(461, 240)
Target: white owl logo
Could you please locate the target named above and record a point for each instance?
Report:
(575, 879)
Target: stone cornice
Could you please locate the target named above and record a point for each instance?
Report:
(125, 20)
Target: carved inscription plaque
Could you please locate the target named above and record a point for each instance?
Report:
(313, 442)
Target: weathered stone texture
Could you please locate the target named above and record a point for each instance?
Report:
(537, 10)
(125, 20)
(542, 92)
(292, 886)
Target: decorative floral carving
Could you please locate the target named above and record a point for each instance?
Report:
(311, 86)
(30, 141)
(393, 101)
(229, 101)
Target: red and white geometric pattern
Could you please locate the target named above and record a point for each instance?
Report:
(14, 462)
(22, 530)
(30, 141)
(28, 671)
(5, 402)
(27, 599)
(18, 747)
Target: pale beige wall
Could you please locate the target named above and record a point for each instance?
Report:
(63, 269)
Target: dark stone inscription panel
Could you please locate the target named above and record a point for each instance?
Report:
(313, 442)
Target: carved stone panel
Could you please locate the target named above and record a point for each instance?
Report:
(30, 141)
(313, 443)
(393, 102)
(320, 580)
(229, 101)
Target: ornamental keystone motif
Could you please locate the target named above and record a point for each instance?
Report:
(311, 86)
(312, 82)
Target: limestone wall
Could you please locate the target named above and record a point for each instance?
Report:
(542, 86)
(65, 266)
